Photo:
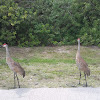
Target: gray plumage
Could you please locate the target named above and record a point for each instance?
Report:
(81, 64)
(14, 66)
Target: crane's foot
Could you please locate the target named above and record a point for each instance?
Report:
(79, 83)
(19, 86)
(85, 85)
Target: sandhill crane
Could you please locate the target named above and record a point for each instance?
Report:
(81, 64)
(14, 66)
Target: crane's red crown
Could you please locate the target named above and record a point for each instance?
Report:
(78, 39)
(4, 44)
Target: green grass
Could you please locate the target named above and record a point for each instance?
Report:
(2, 61)
(49, 61)
(50, 66)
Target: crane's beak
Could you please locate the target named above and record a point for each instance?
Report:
(0, 45)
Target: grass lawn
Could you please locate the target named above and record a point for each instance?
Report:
(51, 67)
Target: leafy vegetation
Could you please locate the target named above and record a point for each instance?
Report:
(49, 22)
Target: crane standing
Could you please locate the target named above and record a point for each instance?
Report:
(81, 64)
(14, 66)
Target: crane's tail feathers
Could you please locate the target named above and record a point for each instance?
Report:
(88, 72)
(24, 74)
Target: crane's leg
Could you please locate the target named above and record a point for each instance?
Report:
(80, 77)
(85, 78)
(18, 81)
(14, 80)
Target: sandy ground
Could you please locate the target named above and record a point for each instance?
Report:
(51, 94)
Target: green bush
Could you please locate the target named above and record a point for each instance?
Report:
(11, 15)
(49, 22)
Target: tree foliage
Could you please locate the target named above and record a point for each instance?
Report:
(49, 22)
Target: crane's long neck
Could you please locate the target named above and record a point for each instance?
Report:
(79, 47)
(7, 52)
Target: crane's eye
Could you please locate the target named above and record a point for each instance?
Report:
(4, 44)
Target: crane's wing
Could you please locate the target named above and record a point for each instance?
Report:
(83, 63)
(18, 68)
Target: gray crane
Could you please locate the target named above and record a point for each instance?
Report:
(81, 64)
(14, 66)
